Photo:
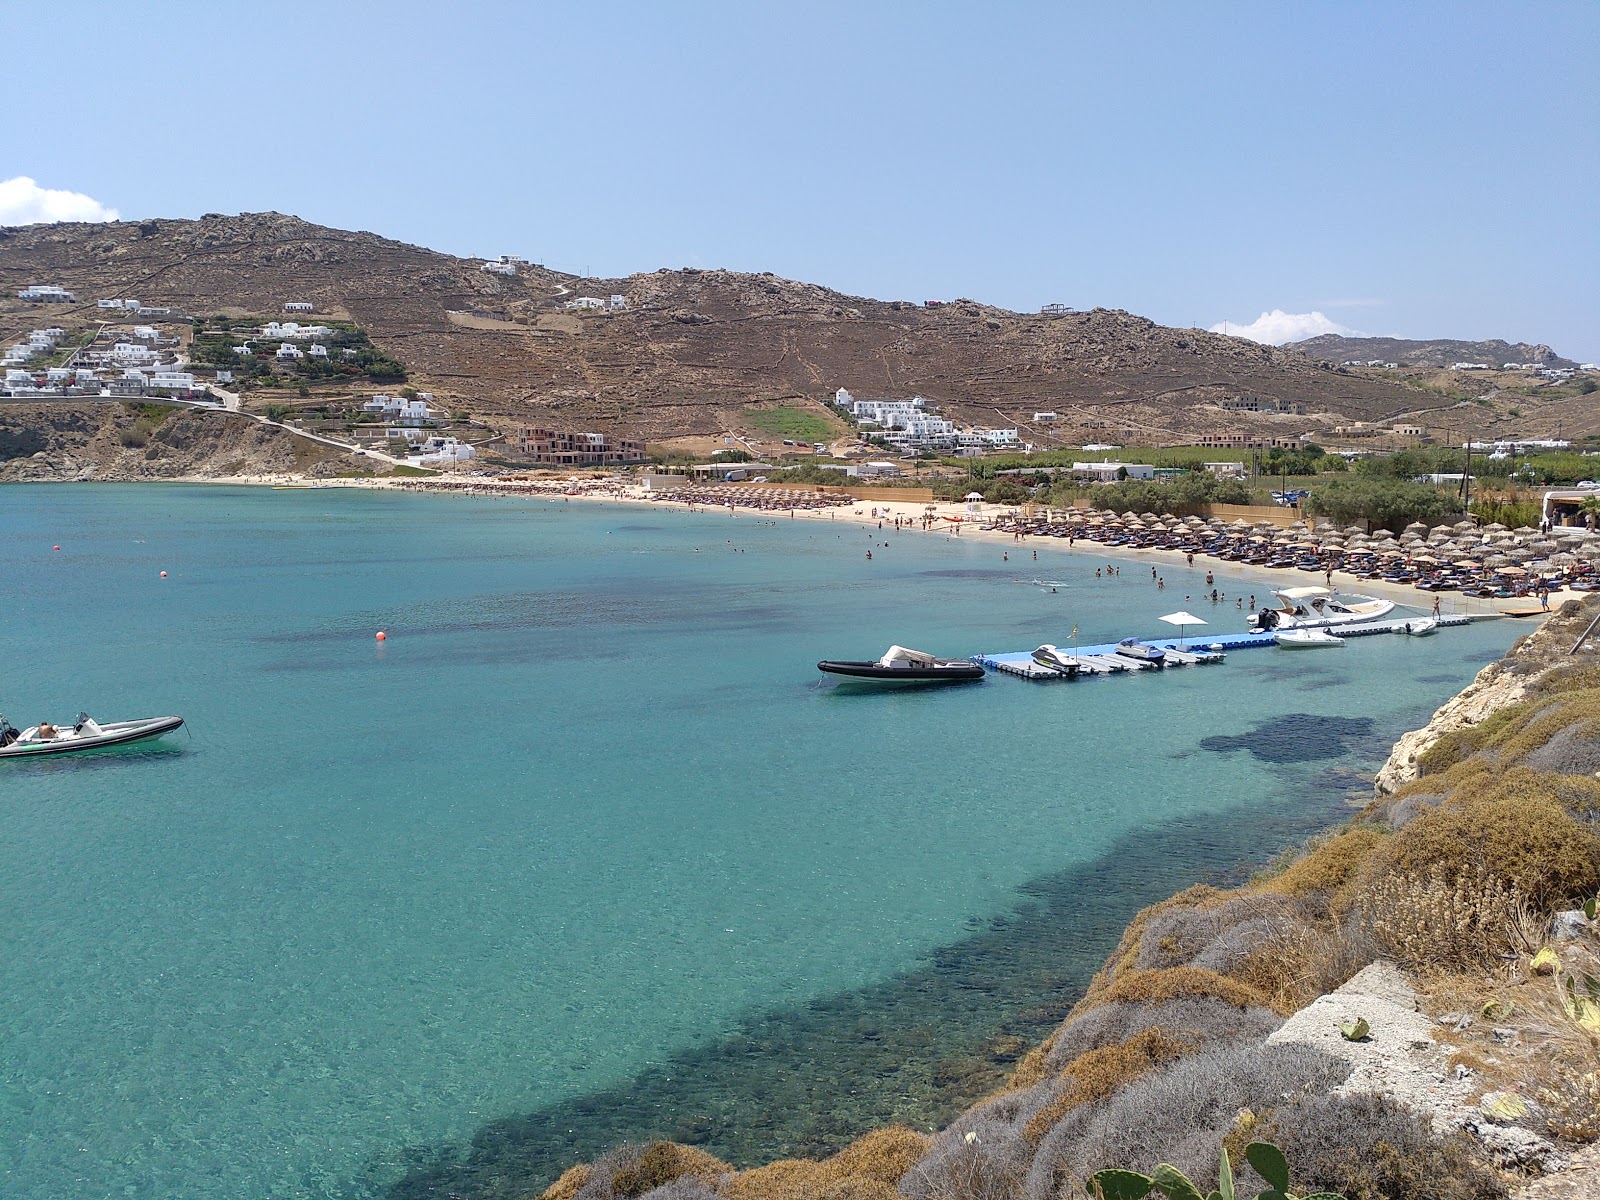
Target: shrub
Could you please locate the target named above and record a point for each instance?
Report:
(1200, 1021)
(867, 1169)
(631, 1171)
(1437, 922)
(1182, 983)
(1094, 1075)
(972, 1160)
(1178, 1114)
(1511, 825)
(1328, 864)
(1185, 936)
(1369, 1148)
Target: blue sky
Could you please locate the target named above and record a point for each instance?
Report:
(1417, 169)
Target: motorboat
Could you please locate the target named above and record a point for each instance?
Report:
(901, 666)
(85, 733)
(1421, 627)
(1057, 660)
(1315, 607)
(1305, 639)
(1141, 651)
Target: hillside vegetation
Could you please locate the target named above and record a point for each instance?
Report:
(695, 351)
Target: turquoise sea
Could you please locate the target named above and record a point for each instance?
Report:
(583, 851)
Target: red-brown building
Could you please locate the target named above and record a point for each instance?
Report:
(552, 447)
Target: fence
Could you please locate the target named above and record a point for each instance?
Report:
(902, 495)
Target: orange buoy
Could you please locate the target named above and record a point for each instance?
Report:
(382, 636)
(163, 574)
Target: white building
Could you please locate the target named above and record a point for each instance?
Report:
(133, 354)
(173, 381)
(295, 332)
(396, 410)
(20, 353)
(299, 306)
(585, 302)
(117, 304)
(498, 267)
(146, 333)
(318, 350)
(288, 352)
(224, 376)
(1110, 472)
(46, 293)
(16, 377)
(441, 451)
(618, 303)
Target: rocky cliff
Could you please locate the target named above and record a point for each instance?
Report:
(97, 440)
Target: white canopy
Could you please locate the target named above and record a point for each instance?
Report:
(1182, 618)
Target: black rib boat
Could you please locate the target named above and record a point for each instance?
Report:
(903, 666)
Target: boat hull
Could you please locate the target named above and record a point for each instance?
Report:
(949, 671)
(121, 733)
(1307, 639)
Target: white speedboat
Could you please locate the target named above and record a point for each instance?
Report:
(1057, 660)
(1305, 639)
(1421, 627)
(1316, 607)
(901, 666)
(1142, 652)
(83, 734)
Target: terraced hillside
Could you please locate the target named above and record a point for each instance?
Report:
(695, 349)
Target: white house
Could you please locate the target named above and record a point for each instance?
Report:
(440, 450)
(16, 377)
(117, 304)
(82, 375)
(318, 350)
(295, 331)
(1110, 472)
(618, 303)
(585, 302)
(46, 293)
(224, 376)
(20, 353)
(1000, 437)
(498, 267)
(288, 352)
(172, 381)
(58, 374)
(145, 333)
(299, 306)
(396, 410)
(127, 354)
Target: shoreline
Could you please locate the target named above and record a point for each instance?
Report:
(868, 513)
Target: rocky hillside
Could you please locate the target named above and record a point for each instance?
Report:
(695, 349)
(114, 442)
(1441, 352)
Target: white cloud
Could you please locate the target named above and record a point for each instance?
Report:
(24, 202)
(1277, 327)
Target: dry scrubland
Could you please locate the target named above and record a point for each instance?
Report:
(1478, 1069)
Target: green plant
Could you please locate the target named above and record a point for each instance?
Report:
(1267, 1159)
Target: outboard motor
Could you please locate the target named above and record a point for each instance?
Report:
(8, 733)
(83, 719)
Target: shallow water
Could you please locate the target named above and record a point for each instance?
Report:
(583, 845)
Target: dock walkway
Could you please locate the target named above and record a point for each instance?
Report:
(1104, 659)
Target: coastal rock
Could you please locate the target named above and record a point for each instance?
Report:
(1491, 690)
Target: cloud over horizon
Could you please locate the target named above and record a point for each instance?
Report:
(24, 202)
(1277, 327)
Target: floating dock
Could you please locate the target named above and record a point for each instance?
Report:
(1104, 659)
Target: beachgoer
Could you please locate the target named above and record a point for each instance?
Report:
(1436, 606)
(1161, 585)
(1005, 556)
(46, 731)
(1191, 558)
(869, 555)
(1097, 572)
(1209, 579)
(1327, 576)
(1035, 556)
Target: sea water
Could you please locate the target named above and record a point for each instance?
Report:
(584, 849)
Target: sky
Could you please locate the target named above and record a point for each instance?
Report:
(1411, 170)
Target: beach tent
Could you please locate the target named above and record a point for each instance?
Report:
(1180, 619)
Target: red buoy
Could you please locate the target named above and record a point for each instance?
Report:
(163, 574)
(55, 547)
(382, 636)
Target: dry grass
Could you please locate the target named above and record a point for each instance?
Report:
(1434, 923)
(570, 1183)
(1514, 825)
(1182, 983)
(1328, 864)
(868, 1168)
(1093, 1076)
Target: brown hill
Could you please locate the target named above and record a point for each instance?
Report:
(695, 349)
(1437, 352)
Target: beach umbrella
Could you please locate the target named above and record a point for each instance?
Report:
(1417, 526)
(974, 496)
(1494, 560)
(1180, 619)
(1354, 529)
(1525, 529)
(1384, 535)
(1425, 558)
(1510, 571)
(1464, 525)
(1495, 527)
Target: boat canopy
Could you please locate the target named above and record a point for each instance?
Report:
(1303, 593)
(901, 655)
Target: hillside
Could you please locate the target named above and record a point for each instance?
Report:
(695, 350)
(1439, 352)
